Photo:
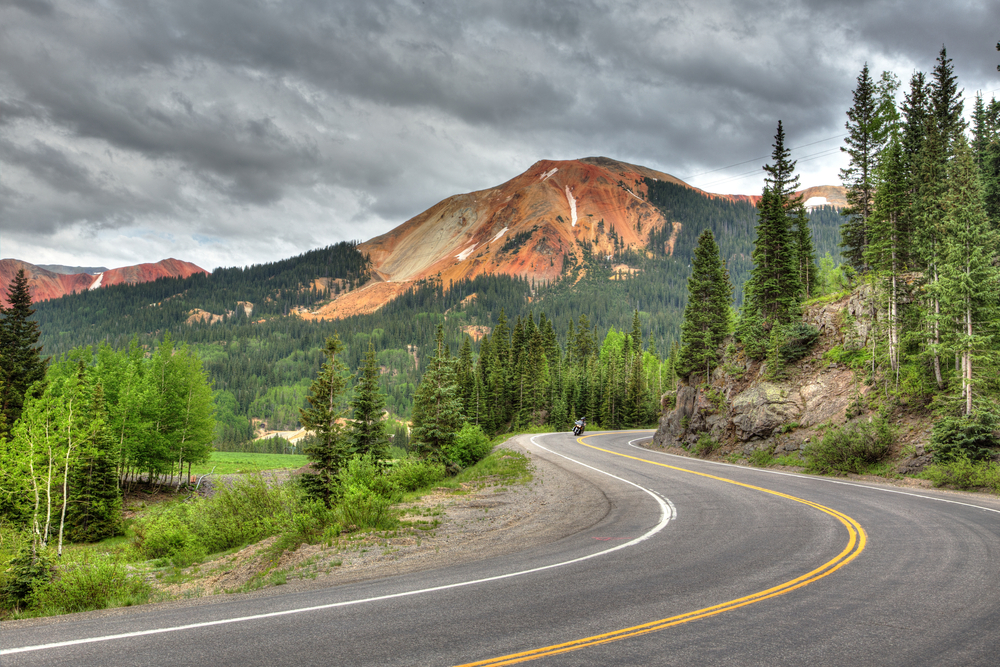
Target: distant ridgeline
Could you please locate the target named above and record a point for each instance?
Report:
(262, 365)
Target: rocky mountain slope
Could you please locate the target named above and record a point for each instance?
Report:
(531, 226)
(45, 284)
(743, 411)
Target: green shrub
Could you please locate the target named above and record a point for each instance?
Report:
(471, 444)
(168, 536)
(761, 458)
(97, 582)
(362, 508)
(411, 474)
(853, 357)
(705, 445)
(964, 473)
(969, 436)
(362, 471)
(851, 448)
(30, 569)
(796, 341)
(244, 512)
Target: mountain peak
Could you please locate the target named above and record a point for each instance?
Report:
(45, 284)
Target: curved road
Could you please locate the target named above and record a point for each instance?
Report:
(695, 563)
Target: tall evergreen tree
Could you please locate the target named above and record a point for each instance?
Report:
(805, 254)
(95, 501)
(863, 131)
(329, 451)
(944, 127)
(885, 251)
(707, 314)
(367, 425)
(21, 362)
(970, 282)
(437, 411)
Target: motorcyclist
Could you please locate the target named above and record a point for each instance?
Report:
(581, 423)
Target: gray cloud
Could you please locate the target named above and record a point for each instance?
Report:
(232, 132)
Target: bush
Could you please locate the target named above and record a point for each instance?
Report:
(168, 536)
(796, 341)
(851, 448)
(964, 473)
(761, 458)
(361, 508)
(470, 445)
(29, 570)
(97, 582)
(705, 445)
(411, 474)
(244, 512)
(362, 471)
(968, 437)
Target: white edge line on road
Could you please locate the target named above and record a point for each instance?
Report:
(667, 512)
(816, 477)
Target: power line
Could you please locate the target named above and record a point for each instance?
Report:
(805, 158)
(757, 159)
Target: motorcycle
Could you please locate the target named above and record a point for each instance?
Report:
(578, 427)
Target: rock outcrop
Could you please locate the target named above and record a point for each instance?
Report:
(741, 407)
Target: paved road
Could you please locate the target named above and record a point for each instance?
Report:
(695, 564)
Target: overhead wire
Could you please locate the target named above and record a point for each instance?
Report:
(764, 157)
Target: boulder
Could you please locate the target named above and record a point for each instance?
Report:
(762, 408)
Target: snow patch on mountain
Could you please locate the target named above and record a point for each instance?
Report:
(462, 256)
(97, 283)
(548, 174)
(572, 205)
(499, 234)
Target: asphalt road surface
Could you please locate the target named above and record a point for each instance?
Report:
(695, 564)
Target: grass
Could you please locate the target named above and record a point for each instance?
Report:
(228, 463)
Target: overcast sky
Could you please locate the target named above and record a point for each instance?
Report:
(233, 132)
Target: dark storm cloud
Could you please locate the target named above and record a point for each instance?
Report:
(267, 126)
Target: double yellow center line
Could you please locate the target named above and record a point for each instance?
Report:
(855, 545)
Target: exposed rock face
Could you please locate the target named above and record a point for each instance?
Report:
(45, 284)
(527, 227)
(741, 407)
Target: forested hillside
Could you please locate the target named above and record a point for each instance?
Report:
(261, 358)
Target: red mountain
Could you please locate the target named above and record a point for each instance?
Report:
(528, 226)
(46, 285)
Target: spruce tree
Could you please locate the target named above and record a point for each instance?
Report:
(329, 451)
(805, 254)
(863, 128)
(886, 249)
(21, 362)
(707, 314)
(95, 502)
(367, 427)
(437, 411)
(970, 282)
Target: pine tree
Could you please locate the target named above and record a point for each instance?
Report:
(367, 426)
(329, 451)
(21, 362)
(944, 127)
(970, 282)
(437, 412)
(886, 249)
(805, 254)
(707, 314)
(95, 501)
(863, 127)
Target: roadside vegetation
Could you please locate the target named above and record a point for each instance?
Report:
(163, 541)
